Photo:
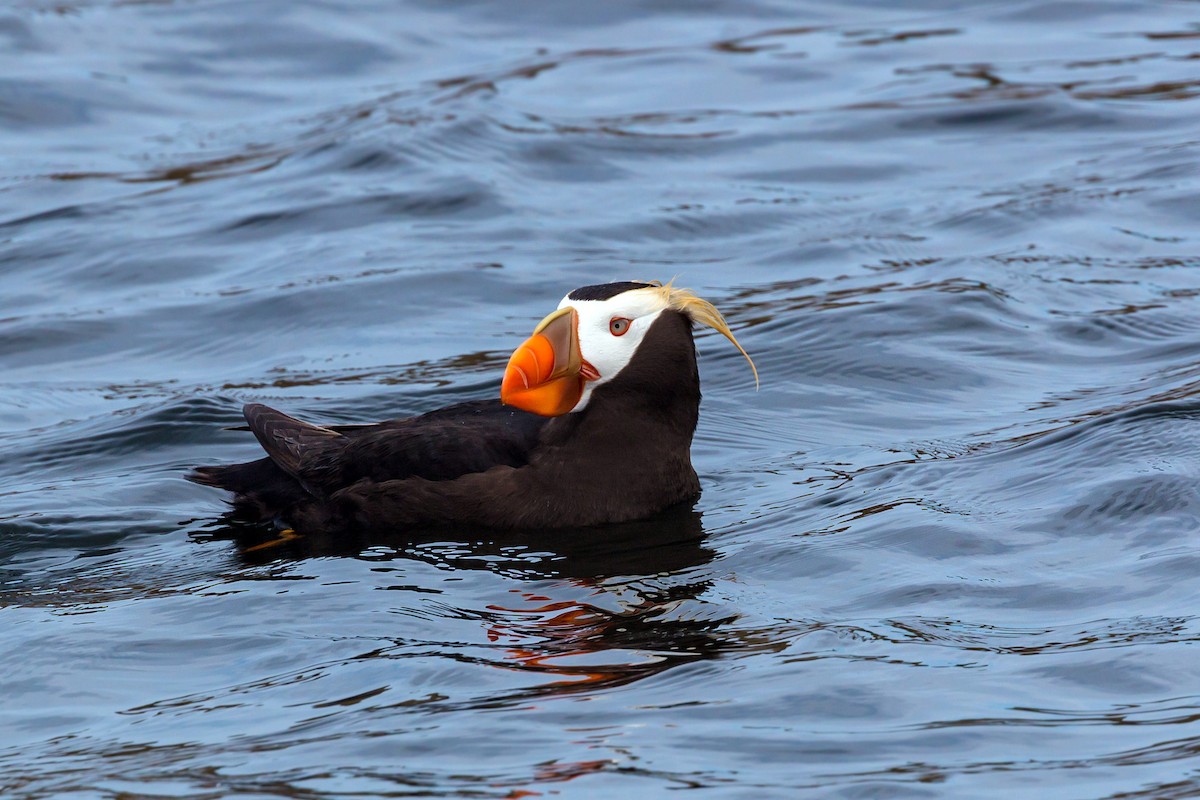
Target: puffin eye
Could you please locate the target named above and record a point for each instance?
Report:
(617, 326)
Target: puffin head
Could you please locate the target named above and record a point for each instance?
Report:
(594, 334)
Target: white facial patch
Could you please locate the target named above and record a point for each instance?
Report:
(607, 353)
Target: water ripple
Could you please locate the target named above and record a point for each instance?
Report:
(945, 550)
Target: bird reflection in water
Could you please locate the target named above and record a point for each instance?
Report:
(613, 604)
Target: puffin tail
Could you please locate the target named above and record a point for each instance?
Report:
(261, 490)
(209, 476)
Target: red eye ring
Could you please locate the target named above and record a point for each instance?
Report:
(618, 326)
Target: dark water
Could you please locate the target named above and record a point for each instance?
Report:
(950, 549)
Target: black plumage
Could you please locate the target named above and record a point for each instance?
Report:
(306, 463)
(606, 291)
(624, 456)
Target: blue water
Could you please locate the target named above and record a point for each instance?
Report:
(950, 549)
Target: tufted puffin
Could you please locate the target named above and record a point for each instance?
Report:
(593, 425)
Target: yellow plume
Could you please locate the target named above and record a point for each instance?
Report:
(700, 310)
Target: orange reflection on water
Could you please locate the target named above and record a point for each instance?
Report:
(546, 633)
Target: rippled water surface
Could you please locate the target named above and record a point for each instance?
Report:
(949, 549)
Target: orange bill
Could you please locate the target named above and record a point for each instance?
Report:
(543, 375)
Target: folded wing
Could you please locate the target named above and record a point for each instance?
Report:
(307, 462)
